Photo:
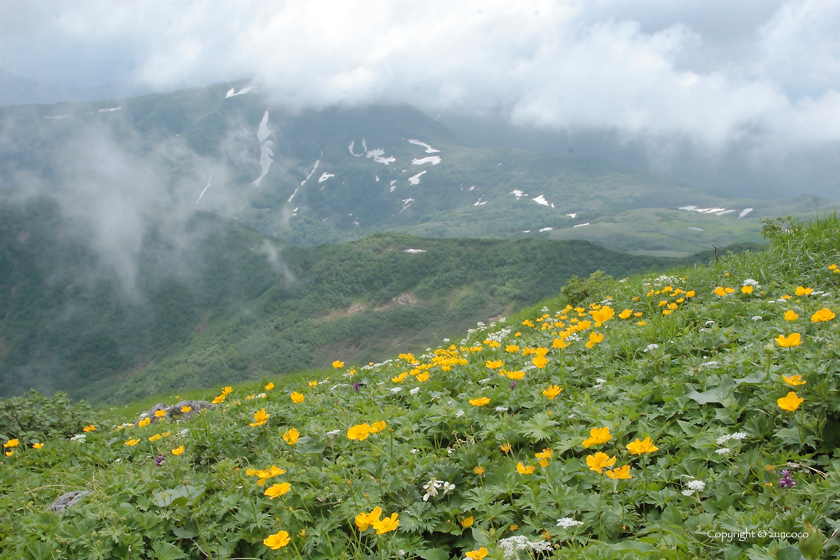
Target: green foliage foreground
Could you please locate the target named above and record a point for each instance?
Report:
(472, 450)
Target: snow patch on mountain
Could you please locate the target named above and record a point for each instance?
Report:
(695, 228)
(541, 200)
(429, 149)
(434, 160)
(415, 179)
(414, 251)
(406, 203)
(744, 212)
(517, 193)
(205, 189)
(294, 193)
(266, 153)
(545, 229)
(581, 225)
(242, 91)
(310, 173)
(109, 110)
(324, 176)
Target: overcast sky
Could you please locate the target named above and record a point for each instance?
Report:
(761, 77)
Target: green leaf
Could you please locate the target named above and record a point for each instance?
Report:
(165, 551)
(481, 537)
(789, 553)
(756, 377)
(539, 427)
(433, 554)
(811, 546)
(635, 546)
(715, 395)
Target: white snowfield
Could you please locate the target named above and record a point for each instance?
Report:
(517, 193)
(109, 110)
(414, 251)
(406, 203)
(479, 202)
(573, 214)
(377, 178)
(715, 211)
(242, 91)
(541, 200)
(415, 179)
(429, 149)
(434, 160)
(352, 153)
(294, 193)
(375, 153)
(581, 225)
(324, 176)
(546, 229)
(744, 212)
(695, 228)
(56, 117)
(526, 231)
(724, 212)
(310, 174)
(266, 153)
(205, 189)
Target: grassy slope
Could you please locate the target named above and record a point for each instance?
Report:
(706, 371)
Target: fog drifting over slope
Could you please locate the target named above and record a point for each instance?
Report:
(740, 91)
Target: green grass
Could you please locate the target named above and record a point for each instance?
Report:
(690, 380)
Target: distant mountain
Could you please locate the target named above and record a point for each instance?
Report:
(340, 174)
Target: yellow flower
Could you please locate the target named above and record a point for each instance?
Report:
(480, 401)
(377, 427)
(11, 443)
(132, 442)
(719, 291)
(517, 375)
(528, 323)
(166, 434)
(512, 348)
(185, 409)
(269, 387)
(552, 391)
(266, 474)
(297, 398)
(468, 522)
(822, 315)
(260, 417)
(785, 297)
(400, 377)
(792, 340)
(313, 383)
(154, 437)
(513, 527)
(522, 469)
(832, 267)
(794, 380)
(90, 428)
(729, 290)
(227, 390)
(603, 314)
(559, 343)
(800, 291)
(599, 462)
(178, 450)
(641, 447)
(494, 364)
(690, 293)
(625, 314)
(790, 402)
(598, 436)
(365, 520)
(160, 413)
(480, 553)
(278, 490)
(478, 470)
(337, 364)
(423, 376)
(642, 323)
(621, 473)
(218, 400)
(540, 361)
(386, 525)
(594, 338)
(505, 447)
(359, 432)
(37, 445)
(291, 436)
(544, 454)
(747, 289)
(277, 540)
(790, 315)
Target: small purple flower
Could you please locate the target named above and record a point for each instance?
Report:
(786, 481)
(356, 386)
(158, 461)
(512, 385)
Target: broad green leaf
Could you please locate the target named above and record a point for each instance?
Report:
(715, 395)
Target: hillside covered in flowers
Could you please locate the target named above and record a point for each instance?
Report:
(685, 415)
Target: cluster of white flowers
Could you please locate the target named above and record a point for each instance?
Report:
(431, 489)
(737, 436)
(544, 309)
(710, 364)
(79, 438)
(499, 335)
(567, 522)
(753, 283)
(756, 318)
(723, 451)
(333, 433)
(694, 486)
(651, 347)
(414, 391)
(599, 383)
(574, 337)
(395, 389)
(510, 545)
(486, 380)
(459, 413)
(501, 409)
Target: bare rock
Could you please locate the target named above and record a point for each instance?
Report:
(67, 500)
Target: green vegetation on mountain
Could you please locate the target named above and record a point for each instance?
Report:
(221, 302)
(691, 414)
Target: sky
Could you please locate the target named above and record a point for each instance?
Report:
(738, 91)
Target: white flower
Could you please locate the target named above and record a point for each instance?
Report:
(710, 364)
(459, 413)
(757, 318)
(651, 347)
(501, 409)
(333, 433)
(723, 439)
(541, 546)
(739, 435)
(753, 283)
(413, 451)
(687, 492)
(447, 487)
(567, 522)
(697, 485)
(431, 489)
(709, 323)
(262, 396)
(446, 340)
(395, 389)
(415, 390)
(723, 451)
(184, 432)
(480, 324)
(79, 438)
(483, 381)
